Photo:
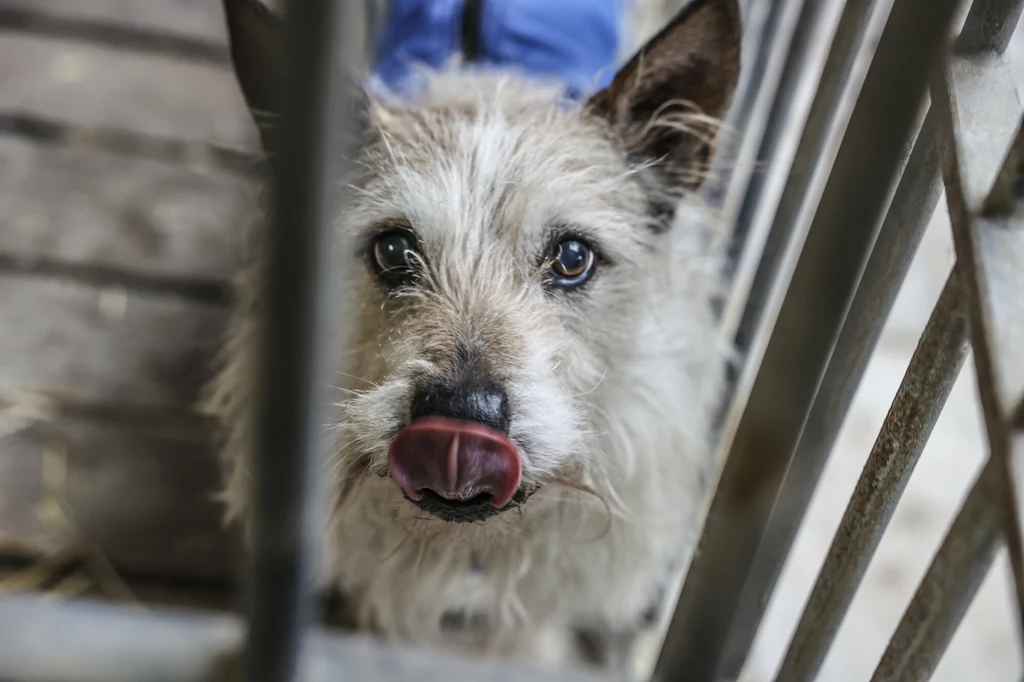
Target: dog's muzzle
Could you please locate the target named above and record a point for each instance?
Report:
(455, 459)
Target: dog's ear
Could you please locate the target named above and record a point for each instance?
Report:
(257, 41)
(665, 103)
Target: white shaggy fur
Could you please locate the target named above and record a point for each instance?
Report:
(612, 388)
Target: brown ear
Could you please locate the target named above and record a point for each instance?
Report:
(665, 103)
(257, 41)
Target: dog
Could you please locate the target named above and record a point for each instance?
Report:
(523, 411)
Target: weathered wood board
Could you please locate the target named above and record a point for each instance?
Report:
(144, 500)
(202, 19)
(94, 86)
(146, 217)
(106, 345)
(95, 239)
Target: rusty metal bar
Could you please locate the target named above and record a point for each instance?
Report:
(318, 134)
(912, 206)
(978, 112)
(926, 385)
(823, 284)
(906, 220)
(949, 586)
(44, 640)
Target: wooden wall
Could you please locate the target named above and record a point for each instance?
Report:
(125, 184)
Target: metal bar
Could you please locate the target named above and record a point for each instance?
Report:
(908, 216)
(43, 640)
(989, 236)
(926, 386)
(758, 90)
(804, 334)
(288, 510)
(818, 130)
(817, 125)
(989, 26)
(948, 588)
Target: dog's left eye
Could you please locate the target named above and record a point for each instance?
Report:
(394, 254)
(572, 263)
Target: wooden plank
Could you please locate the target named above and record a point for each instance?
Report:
(145, 217)
(74, 583)
(97, 87)
(105, 345)
(143, 500)
(195, 18)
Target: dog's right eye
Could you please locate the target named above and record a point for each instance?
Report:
(394, 254)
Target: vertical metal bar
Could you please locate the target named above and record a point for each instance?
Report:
(846, 46)
(765, 44)
(318, 136)
(908, 216)
(805, 332)
(785, 120)
(948, 588)
(926, 385)
(989, 236)
(998, 324)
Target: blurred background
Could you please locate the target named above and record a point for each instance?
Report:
(127, 180)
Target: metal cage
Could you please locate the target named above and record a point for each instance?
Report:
(822, 241)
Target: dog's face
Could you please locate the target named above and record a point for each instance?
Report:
(504, 253)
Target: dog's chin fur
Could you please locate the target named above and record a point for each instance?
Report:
(612, 387)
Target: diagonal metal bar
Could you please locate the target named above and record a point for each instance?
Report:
(989, 27)
(902, 230)
(988, 97)
(948, 587)
(926, 385)
(913, 204)
(823, 283)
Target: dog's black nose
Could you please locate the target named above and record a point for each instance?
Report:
(473, 401)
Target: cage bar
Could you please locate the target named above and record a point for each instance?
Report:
(913, 204)
(780, 431)
(948, 587)
(318, 134)
(988, 231)
(751, 288)
(926, 385)
(822, 285)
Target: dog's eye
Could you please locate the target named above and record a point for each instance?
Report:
(394, 254)
(572, 263)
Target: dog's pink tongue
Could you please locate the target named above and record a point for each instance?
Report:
(457, 460)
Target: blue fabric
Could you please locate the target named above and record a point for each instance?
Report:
(574, 41)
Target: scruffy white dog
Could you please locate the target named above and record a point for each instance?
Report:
(525, 403)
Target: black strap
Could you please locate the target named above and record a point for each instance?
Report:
(472, 17)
